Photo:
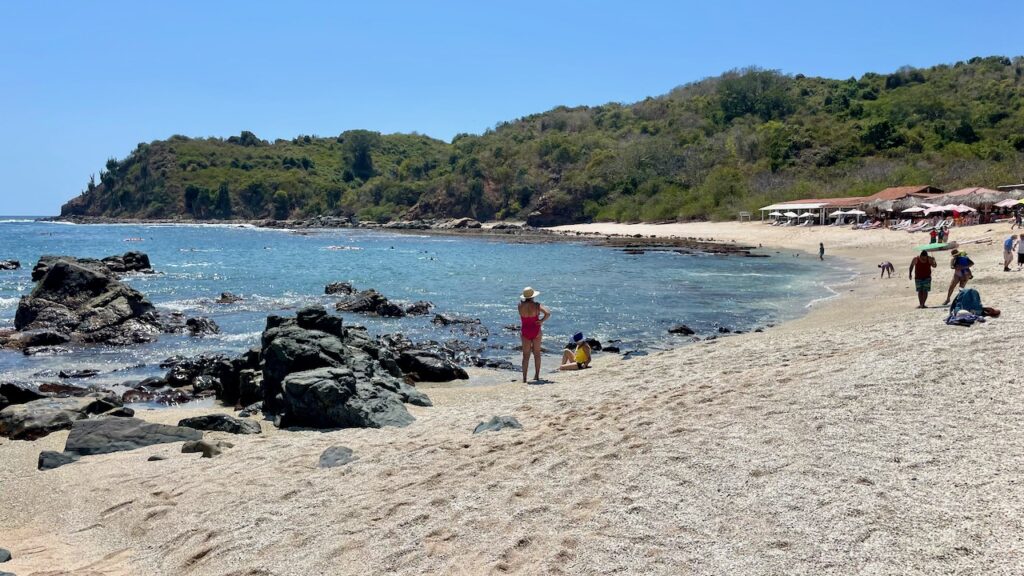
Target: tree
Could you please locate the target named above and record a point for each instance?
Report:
(223, 204)
(357, 152)
(282, 206)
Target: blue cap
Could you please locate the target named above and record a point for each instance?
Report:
(577, 337)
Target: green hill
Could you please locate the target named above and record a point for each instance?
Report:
(705, 150)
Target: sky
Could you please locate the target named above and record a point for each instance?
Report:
(81, 82)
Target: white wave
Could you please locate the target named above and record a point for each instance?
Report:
(8, 302)
(243, 337)
(15, 220)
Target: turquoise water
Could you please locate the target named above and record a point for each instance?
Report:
(603, 292)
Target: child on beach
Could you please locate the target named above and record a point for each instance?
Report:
(886, 267)
(577, 358)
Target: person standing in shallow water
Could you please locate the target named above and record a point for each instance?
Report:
(532, 314)
(821, 250)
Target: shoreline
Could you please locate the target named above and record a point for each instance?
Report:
(833, 443)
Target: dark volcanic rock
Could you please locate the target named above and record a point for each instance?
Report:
(5, 555)
(343, 288)
(20, 393)
(89, 305)
(10, 265)
(122, 412)
(208, 448)
(449, 319)
(222, 423)
(228, 298)
(419, 308)
(87, 373)
(36, 338)
(724, 330)
(370, 302)
(426, 366)
(38, 418)
(201, 326)
(336, 398)
(127, 262)
(48, 459)
(497, 424)
(681, 329)
(336, 456)
(105, 435)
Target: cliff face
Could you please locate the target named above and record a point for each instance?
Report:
(705, 150)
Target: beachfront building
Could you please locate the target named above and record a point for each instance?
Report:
(824, 209)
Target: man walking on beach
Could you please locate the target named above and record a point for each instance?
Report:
(921, 271)
(1008, 246)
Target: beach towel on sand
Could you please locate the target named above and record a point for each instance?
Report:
(966, 308)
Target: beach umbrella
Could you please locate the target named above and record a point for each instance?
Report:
(776, 213)
(935, 209)
(791, 214)
(930, 247)
(837, 214)
(1006, 203)
(913, 210)
(856, 212)
(807, 215)
(964, 208)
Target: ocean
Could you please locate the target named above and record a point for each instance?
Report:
(603, 292)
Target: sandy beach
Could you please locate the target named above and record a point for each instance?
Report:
(866, 437)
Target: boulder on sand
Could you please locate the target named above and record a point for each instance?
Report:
(35, 419)
(336, 398)
(106, 435)
(222, 423)
(208, 448)
(336, 456)
(498, 423)
(318, 374)
(48, 459)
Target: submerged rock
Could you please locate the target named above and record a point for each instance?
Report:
(370, 302)
(681, 329)
(10, 265)
(419, 308)
(343, 288)
(123, 264)
(228, 298)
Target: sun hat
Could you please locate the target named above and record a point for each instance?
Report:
(577, 337)
(529, 293)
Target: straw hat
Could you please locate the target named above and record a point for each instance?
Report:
(529, 293)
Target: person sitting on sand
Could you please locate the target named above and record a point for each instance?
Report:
(961, 266)
(532, 314)
(921, 271)
(579, 357)
(886, 267)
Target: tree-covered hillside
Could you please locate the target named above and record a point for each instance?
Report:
(705, 150)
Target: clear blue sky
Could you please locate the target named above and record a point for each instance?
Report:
(84, 81)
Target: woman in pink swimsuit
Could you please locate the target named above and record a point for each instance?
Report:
(532, 314)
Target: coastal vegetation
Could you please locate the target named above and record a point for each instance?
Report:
(703, 151)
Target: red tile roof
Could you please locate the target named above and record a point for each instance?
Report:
(899, 192)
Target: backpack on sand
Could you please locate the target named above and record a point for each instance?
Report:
(968, 299)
